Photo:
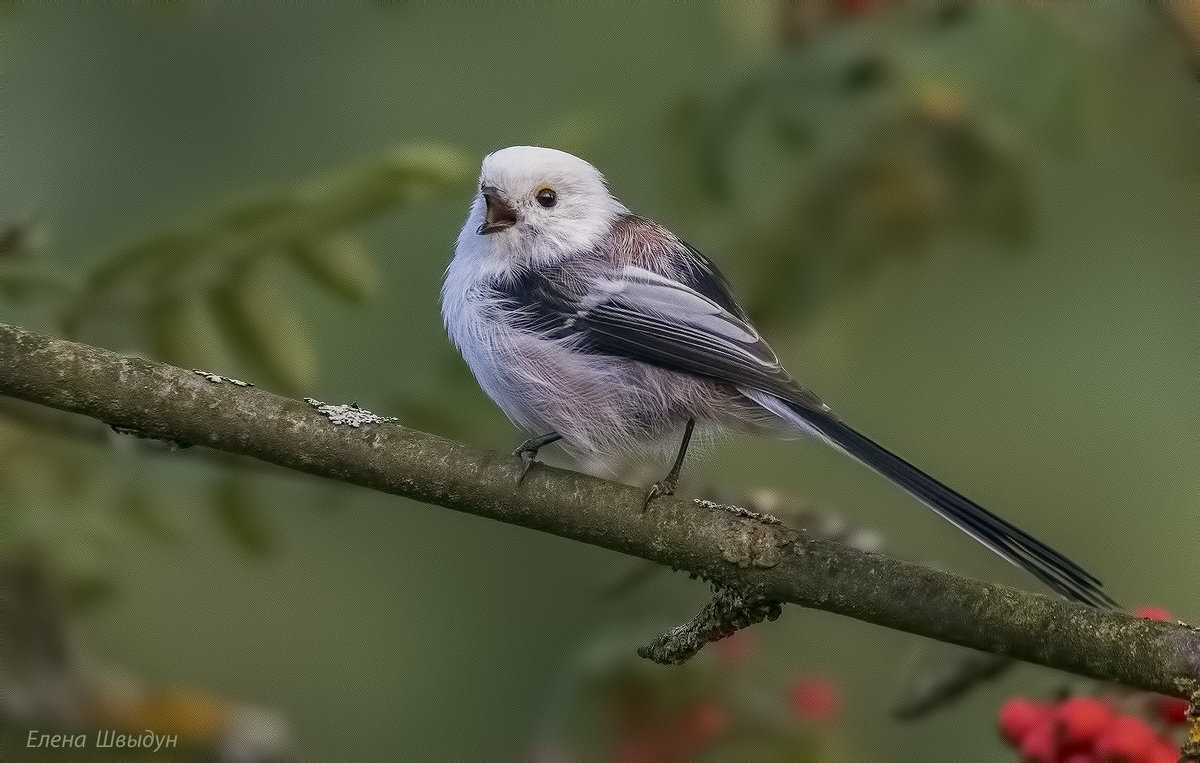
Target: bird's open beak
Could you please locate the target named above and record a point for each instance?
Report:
(500, 214)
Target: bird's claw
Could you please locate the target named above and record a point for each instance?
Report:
(528, 451)
(665, 486)
(528, 457)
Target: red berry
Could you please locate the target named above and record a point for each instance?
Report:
(1164, 752)
(1127, 739)
(1173, 710)
(814, 699)
(1040, 744)
(1017, 717)
(704, 721)
(1081, 720)
(1154, 613)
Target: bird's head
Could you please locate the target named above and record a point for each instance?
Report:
(540, 203)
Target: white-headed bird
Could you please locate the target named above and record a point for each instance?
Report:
(591, 325)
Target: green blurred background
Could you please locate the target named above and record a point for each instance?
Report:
(972, 228)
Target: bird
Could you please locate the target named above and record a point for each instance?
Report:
(591, 325)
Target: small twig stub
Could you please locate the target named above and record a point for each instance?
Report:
(349, 415)
(941, 677)
(728, 612)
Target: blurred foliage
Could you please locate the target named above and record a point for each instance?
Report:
(49, 679)
(196, 294)
(223, 268)
(713, 707)
(880, 145)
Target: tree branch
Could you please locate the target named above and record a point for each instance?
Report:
(760, 560)
(727, 613)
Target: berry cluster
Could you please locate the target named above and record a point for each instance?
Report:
(1130, 729)
(705, 717)
(676, 738)
(1078, 730)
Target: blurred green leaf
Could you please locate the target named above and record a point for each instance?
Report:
(267, 328)
(239, 517)
(145, 513)
(21, 281)
(185, 331)
(86, 590)
(313, 211)
(341, 264)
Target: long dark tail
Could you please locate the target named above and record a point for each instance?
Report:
(1009, 541)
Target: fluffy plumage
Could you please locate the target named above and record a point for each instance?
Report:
(580, 318)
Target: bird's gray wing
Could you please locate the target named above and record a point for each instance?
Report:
(642, 315)
(638, 314)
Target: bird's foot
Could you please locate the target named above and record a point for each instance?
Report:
(528, 451)
(665, 486)
(528, 456)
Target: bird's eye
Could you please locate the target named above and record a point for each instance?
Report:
(546, 197)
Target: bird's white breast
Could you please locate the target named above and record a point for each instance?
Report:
(485, 346)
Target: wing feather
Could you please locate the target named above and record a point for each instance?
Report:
(648, 317)
(676, 312)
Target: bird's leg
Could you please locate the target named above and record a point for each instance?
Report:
(528, 451)
(667, 485)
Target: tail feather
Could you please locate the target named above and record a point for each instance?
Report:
(1005, 539)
